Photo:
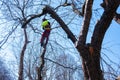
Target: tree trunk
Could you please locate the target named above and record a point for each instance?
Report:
(21, 65)
(40, 68)
(91, 53)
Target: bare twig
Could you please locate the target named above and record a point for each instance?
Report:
(60, 64)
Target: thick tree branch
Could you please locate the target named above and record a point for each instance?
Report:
(54, 15)
(104, 23)
(86, 22)
(31, 18)
(105, 5)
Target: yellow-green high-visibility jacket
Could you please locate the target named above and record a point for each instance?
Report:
(45, 24)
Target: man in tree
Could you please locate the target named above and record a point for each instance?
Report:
(45, 36)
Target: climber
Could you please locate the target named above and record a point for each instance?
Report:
(45, 36)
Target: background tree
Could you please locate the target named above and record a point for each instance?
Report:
(66, 14)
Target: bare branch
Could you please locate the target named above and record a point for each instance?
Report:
(117, 18)
(76, 10)
(60, 64)
(104, 23)
(86, 22)
(31, 18)
(22, 56)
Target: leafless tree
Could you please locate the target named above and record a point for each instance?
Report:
(20, 12)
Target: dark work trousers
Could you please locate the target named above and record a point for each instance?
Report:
(45, 36)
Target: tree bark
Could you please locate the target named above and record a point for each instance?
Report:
(97, 39)
(90, 59)
(40, 68)
(86, 22)
(21, 65)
